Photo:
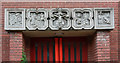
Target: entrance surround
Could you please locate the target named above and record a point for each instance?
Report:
(64, 19)
(102, 39)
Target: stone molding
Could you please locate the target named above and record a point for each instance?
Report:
(58, 18)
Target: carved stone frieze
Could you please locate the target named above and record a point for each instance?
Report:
(37, 19)
(82, 18)
(59, 19)
(104, 18)
(14, 19)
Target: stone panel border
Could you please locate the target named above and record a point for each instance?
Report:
(14, 19)
(104, 18)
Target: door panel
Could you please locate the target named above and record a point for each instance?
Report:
(42, 49)
(74, 49)
(68, 49)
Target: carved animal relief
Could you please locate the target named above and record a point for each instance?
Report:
(82, 18)
(59, 18)
(37, 19)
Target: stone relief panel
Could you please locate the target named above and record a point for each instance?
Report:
(37, 19)
(104, 18)
(82, 18)
(59, 19)
(14, 19)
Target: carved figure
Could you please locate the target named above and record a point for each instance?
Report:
(103, 18)
(15, 19)
(32, 19)
(86, 19)
(37, 19)
(82, 19)
(79, 20)
(59, 18)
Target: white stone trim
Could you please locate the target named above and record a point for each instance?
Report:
(83, 25)
(60, 18)
(111, 25)
(6, 22)
(65, 27)
(34, 10)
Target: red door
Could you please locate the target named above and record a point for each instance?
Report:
(58, 50)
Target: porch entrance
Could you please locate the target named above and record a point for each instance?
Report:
(67, 49)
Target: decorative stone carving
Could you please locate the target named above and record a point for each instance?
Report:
(14, 19)
(82, 18)
(104, 18)
(59, 19)
(37, 19)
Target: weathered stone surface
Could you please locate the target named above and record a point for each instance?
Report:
(82, 18)
(59, 18)
(14, 19)
(37, 19)
(104, 18)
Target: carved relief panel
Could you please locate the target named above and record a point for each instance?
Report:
(37, 19)
(59, 19)
(82, 18)
(14, 19)
(104, 18)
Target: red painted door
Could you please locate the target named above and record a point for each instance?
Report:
(58, 50)
(42, 50)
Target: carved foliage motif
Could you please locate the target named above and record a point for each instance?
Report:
(37, 19)
(82, 18)
(14, 19)
(104, 18)
(59, 19)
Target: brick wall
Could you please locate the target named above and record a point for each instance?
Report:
(99, 46)
(5, 46)
(119, 32)
(92, 51)
(0, 32)
(113, 33)
(16, 46)
(103, 45)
